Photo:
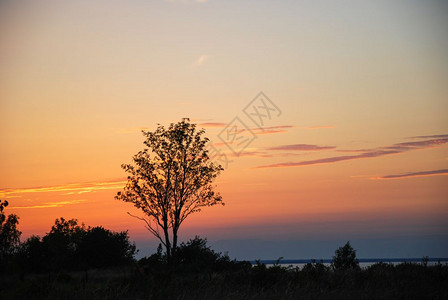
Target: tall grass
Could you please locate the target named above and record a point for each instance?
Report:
(234, 281)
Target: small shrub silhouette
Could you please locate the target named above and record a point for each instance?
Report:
(69, 246)
(9, 235)
(345, 258)
(203, 273)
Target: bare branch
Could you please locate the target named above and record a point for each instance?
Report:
(148, 226)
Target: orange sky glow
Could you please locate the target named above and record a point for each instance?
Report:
(355, 145)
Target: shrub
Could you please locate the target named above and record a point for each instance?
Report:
(69, 246)
(345, 258)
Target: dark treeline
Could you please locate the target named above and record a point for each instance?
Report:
(70, 247)
(198, 272)
(73, 261)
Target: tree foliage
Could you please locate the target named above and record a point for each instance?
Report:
(345, 258)
(61, 243)
(69, 246)
(9, 234)
(171, 179)
(101, 247)
(196, 254)
(193, 257)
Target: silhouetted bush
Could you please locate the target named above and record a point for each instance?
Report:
(315, 271)
(196, 256)
(201, 273)
(268, 277)
(345, 258)
(191, 257)
(31, 254)
(69, 246)
(9, 236)
(101, 248)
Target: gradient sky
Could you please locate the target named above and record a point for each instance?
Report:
(358, 149)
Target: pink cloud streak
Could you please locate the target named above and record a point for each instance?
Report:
(369, 153)
(414, 174)
(302, 147)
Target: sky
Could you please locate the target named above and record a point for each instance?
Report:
(342, 108)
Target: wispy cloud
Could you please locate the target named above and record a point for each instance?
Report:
(258, 131)
(432, 143)
(262, 154)
(328, 160)
(78, 188)
(201, 60)
(437, 136)
(419, 144)
(369, 153)
(360, 176)
(301, 147)
(272, 129)
(51, 204)
(278, 127)
(320, 127)
(251, 154)
(414, 174)
(212, 124)
(353, 150)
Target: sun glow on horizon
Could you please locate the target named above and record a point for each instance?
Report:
(357, 142)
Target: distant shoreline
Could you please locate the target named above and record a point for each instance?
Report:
(360, 260)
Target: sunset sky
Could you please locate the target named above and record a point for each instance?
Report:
(355, 146)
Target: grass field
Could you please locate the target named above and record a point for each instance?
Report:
(235, 281)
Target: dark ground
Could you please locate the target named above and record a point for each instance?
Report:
(232, 280)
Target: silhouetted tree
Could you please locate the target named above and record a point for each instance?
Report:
(171, 179)
(31, 254)
(193, 257)
(345, 258)
(101, 247)
(196, 253)
(61, 243)
(9, 234)
(69, 246)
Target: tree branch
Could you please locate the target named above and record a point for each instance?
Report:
(155, 232)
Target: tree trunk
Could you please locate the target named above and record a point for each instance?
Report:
(167, 239)
(174, 240)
